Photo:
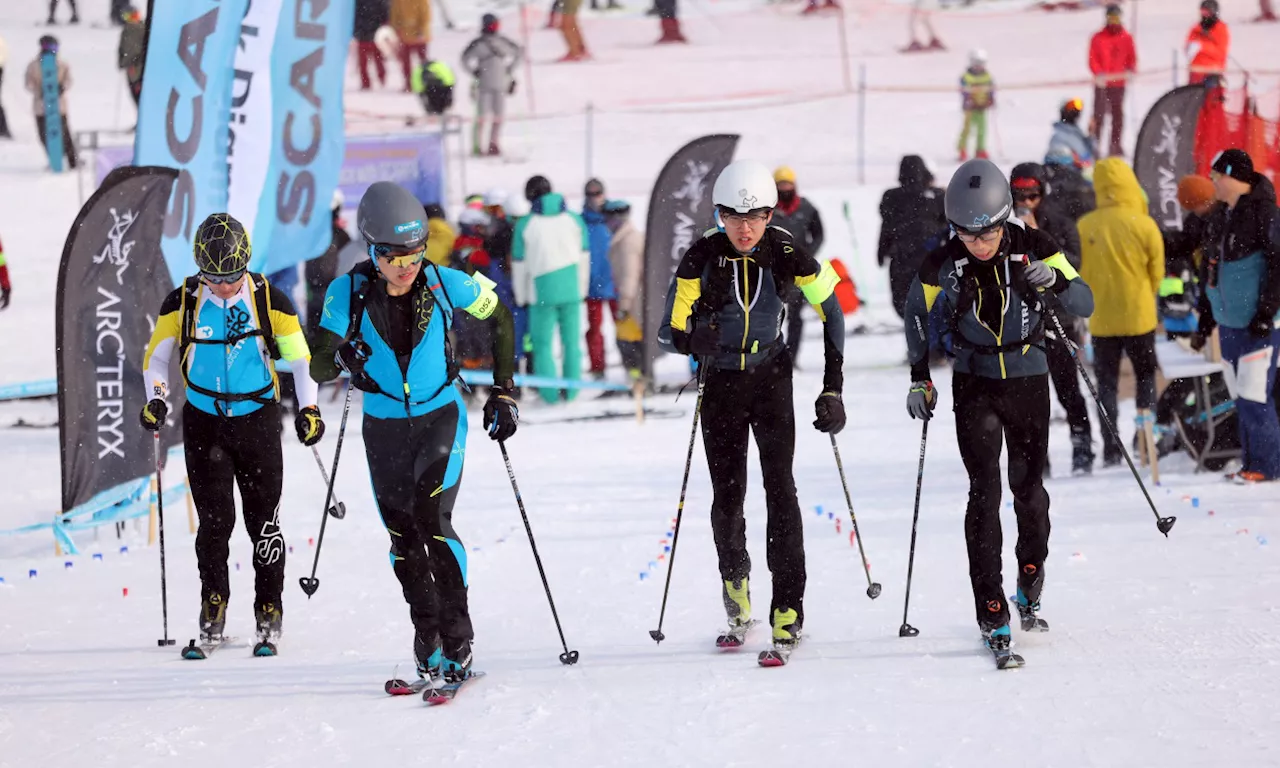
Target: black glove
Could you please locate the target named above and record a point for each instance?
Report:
(1261, 326)
(830, 412)
(501, 414)
(352, 356)
(703, 340)
(153, 415)
(511, 89)
(921, 400)
(309, 425)
(4, 298)
(1204, 329)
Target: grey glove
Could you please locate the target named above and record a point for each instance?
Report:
(1040, 275)
(921, 400)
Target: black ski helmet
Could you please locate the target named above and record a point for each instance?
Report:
(49, 43)
(978, 197)
(1211, 6)
(488, 24)
(1028, 176)
(390, 215)
(221, 245)
(536, 187)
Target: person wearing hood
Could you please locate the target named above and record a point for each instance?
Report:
(1240, 276)
(1208, 47)
(1112, 60)
(600, 290)
(491, 59)
(550, 267)
(626, 258)
(1123, 259)
(1027, 184)
(910, 215)
(799, 217)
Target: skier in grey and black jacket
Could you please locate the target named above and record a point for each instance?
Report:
(993, 278)
(491, 59)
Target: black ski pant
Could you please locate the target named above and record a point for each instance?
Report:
(223, 452)
(1066, 384)
(1141, 351)
(990, 413)
(53, 8)
(735, 404)
(416, 467)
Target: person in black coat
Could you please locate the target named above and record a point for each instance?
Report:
(370, 15)
(799, 217)
(910, 215)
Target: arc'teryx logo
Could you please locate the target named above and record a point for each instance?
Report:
(693, 186)
(116, 251)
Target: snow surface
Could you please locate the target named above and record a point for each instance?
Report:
(1162, 652)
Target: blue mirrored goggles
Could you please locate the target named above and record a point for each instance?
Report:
(210, 279)
(397, 255)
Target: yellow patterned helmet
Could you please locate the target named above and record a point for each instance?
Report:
(221, 245)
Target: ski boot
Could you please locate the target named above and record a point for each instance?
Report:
(786, 636)
(428, 657)
(456, 662)
(1081, 455)
(998, 640)
(268, 618)
(213, 618)
(737, 607)
(1027, 613)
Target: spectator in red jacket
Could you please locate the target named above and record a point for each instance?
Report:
(1208, 45)
(1111, 59)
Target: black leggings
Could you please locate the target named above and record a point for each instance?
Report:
(1066, 384)
(1141, 351)
(990, 413)
(223, 452)
(409, 464)
(736, 404)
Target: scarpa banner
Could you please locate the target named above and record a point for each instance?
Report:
(111, 283)
(680, 211)
(1165, 152)
(308, 57)
(183, 113)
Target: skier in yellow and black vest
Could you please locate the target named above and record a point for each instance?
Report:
(978, 94)
(229, 327)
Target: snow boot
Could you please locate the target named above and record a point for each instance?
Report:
(737, 602)
(213, 618)
(457, 660)
(269, 619)
(786, 627)
(1081, 454)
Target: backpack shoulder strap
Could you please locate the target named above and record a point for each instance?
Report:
(187, 315)
(261, 290)
(359, 292)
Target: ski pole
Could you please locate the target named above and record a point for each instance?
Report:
(310, 583)
(656, 634)
(906, 630)
(164, 585)
(1163, 524)
(873, 588)
(568, 657)
(338, 510)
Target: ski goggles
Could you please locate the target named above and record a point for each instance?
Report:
(396, 255)
(211, 279)
(985, 236)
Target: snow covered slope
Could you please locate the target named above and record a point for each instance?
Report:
(1162, 651)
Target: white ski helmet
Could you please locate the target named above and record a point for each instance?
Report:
(744, 186)
(978, 57)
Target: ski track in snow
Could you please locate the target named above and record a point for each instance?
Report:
(1162, 651)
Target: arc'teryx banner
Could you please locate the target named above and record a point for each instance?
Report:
(680, 211)
(1165, 152)
(110, 285)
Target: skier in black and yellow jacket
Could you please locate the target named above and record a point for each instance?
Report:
(726, 308)
(229, 327)
(992, 278)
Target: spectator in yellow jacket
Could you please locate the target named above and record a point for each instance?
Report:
(411, 19)
(1122, 259)
(440, 235)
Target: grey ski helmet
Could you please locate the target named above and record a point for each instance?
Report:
(978, 197)
(390, 215)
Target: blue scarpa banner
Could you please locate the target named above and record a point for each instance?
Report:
(182, 117)
(308, 60)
